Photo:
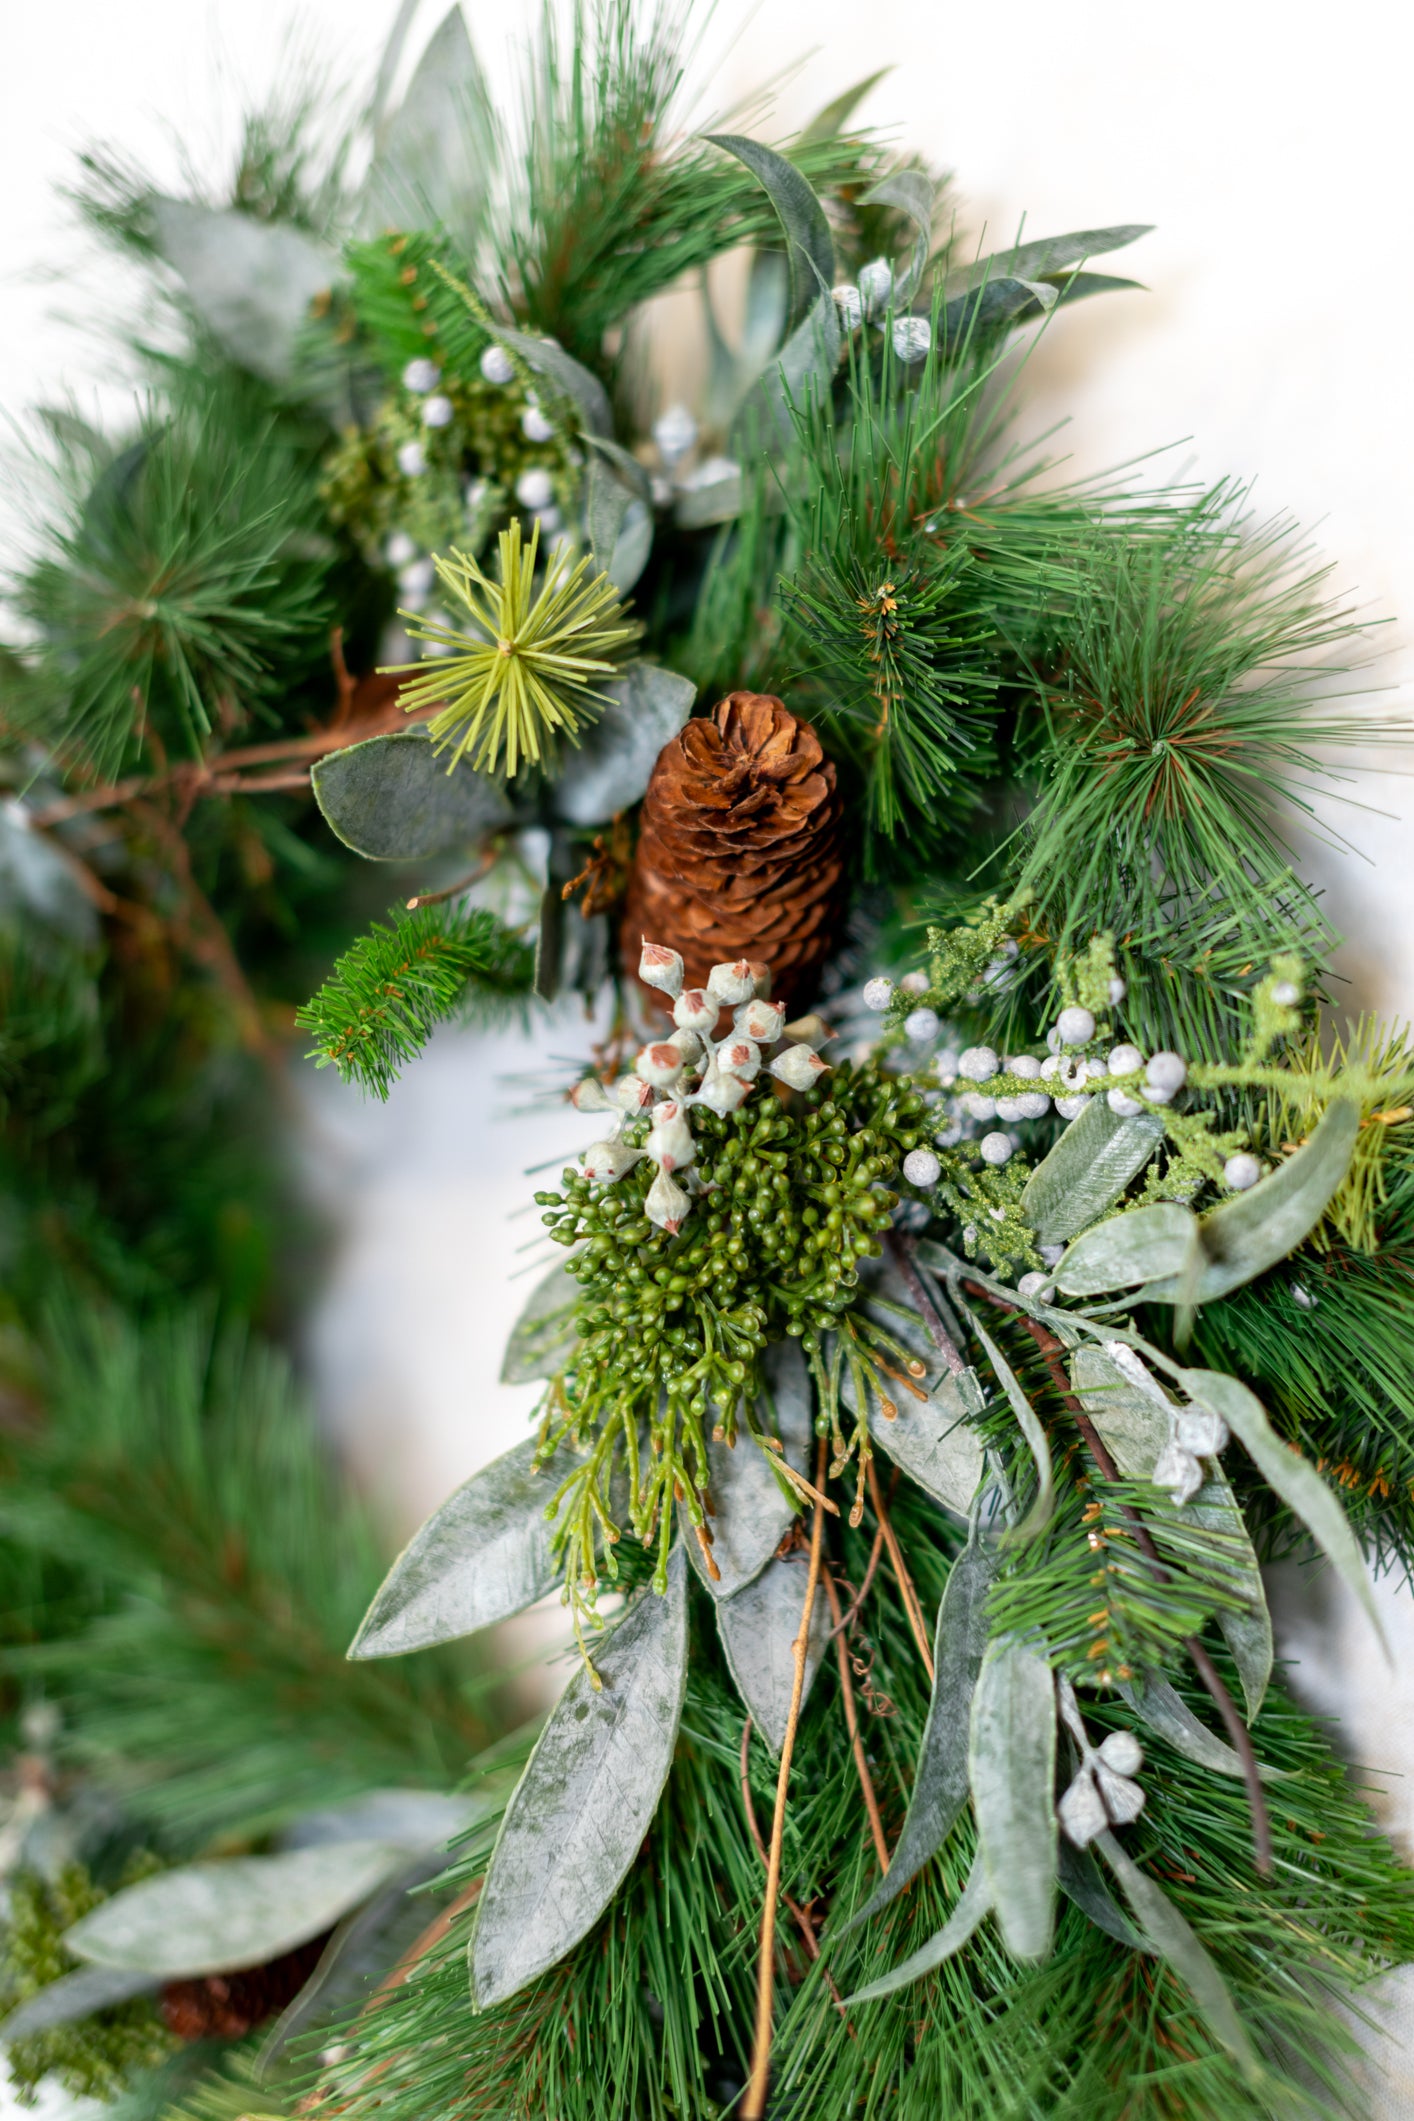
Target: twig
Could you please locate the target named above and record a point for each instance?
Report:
(207, 935)
(1053, 1355)
(851, 1719)
(464, 883)
(753, 2106)
(863, 1592)
(902, 1255)
(905, 1581)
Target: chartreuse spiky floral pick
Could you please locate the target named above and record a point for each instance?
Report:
(527, 674)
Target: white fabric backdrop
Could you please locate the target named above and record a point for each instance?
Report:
(1271, 149)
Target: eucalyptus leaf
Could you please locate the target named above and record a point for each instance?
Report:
(1164, 1709)
(1129, 1248)
(1039, 1514)
(587, 1797)
(1000, 303)
(1293, 1477)
(483, 1556)
(806, 362)
(1170, 1935)
(1082, 1881)
(610, 771)
(566, 375)
(936, 1444)
(1048, 255)
(810, 247)
(392, 799)
(250, 282)
(1096, 1158)
(1257, 1229)
(73, 1996)
(634, 544)
(545, 1335)
(364, 1946)
(767, 308)
(406, 1819)
(913, 194)
(549, 941)
(829, 123)
(606, 499)
(433, 157)
(758, 1627)
(1134, 1427)
(940, 1779)
(965, 1919)
(750, 1505)
(208, 1918)
(1079, 286)
(1012, 1770)
(721, 501)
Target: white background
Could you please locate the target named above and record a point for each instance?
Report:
(1270, 145)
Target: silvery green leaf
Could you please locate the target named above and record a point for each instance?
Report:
(647, 706)
(250, 282)
(751, 1508)
(566, 375)
(587, 1797)
(965, 1919)
(632, 546)
(1048, 255)
(74, 1996)
(1166, 1711)
(1255, 1230)
(808, 359)
(721, 501)
(913, 194)
(935, 1442)
(433, 157)
(483, 1556)
(606, 500)
(1133, 1424)
(38, 885)
(940, 1778)
(1170, 1935)
(1082, 1881)
(1039, 1514)
(1012, 1770)
(363, 1950)
(1096, 1158)
(1129, 1248)
(1002, 302)
(405, 1819)
(1081, 1810)
(209, 1917)
(1079, 286)
(388, 64)
(758, 1629)
(549, 942)
(767, 306)
(545, 1335)
(392, 799)
(829, 123)
(809, 245)
(1293, 1477)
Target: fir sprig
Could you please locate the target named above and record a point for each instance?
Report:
(531, 671)
(390, 990)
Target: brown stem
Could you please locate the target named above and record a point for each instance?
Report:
(1053, 1354)
(905, 1581)
(800, 1915)
(207, 937)
(902, 1255)
(851, 1718)
(863, 1592)
(753, 2105)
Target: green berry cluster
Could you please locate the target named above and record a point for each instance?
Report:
(792, 1197)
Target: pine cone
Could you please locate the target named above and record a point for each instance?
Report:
(228, 2006)
(741, 852)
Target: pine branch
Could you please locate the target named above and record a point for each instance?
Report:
(387, 994)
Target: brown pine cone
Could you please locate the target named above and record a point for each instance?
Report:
(741, 851)
(228, 2006)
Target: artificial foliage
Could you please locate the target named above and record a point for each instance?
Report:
(992, 1246)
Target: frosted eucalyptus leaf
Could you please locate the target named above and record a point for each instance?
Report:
(1079, 286)
(1039, 1514)
(960, 1926)
(392, 799)
(829, 123)
(581, 1809)
(1256, 1230)
(1130, 1248)
(1096, 1158)
(1048, 255)
(1293, 1477)
(566, 375)
(1082, 1881)
(1001, 302)
(434, 155)
(1164, 1709)
(1134, 1427)
(483, 1556)
(209, 1917)
(605, 499)
(1012, 1770)
(1170, 1935)
(609, 772)
(74, 1996)
(940, 1779)
(545, 1335)
(751, 1509)
(405, 1819)
(365, 1945)
(913, 194)
(632, 547)
(758, 1629)
(250, 282)
(810, 247)
(935, 1442)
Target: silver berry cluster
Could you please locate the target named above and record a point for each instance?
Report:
(692, 1068)
(869, 299)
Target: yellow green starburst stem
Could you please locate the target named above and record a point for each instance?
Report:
(528, 674)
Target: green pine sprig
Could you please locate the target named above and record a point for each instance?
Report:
(390, 990)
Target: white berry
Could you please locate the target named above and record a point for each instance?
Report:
(850, 304)
(1033, 1284)
(437, 411)
(1242, 1171)
(1122, 1751)
(1286, 993)
(878, 993)
(1117, 990)
(978, 1106)
(535, 488)
(1120, 1102)
(535, 426)
(1125, 1059)
(412, 460)
(921, 1168)
(912, 337)
(978, 1064)
(997, 1148)
(1071, 1107)
(1076, 1026)
(921, 1024)
(876, 284)
(914, 983)
(497, 365)
(1024, 1065)
(1166, 1071)
(421, 376)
